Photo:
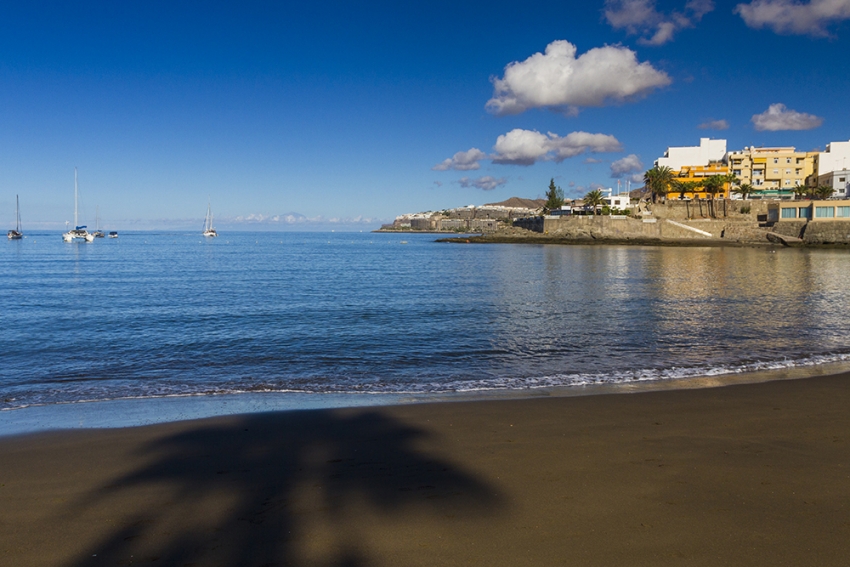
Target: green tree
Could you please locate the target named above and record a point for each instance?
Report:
(594, 199)
(714, 185)
(823, 192)
(658, 180)
(554, 197)
(800, 191)
(744, 190)
(684, 187)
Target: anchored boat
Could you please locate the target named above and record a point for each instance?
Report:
(208, 223)
(78, 232)
(16, 234)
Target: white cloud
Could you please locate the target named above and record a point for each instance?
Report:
(790, 17)
(625, 166)
(778, 117)
(639, 17)
(592, 160)
(714, 125)
(487, 183)
(559, 80)
(526, 147)
(462, 161)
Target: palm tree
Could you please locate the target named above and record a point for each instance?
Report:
(658, 180)
(594, 199)
(800, 191)
(824, 192)
(714, 185)
(744, 190)
(684, 187)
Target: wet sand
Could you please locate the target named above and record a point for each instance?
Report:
(753, 474)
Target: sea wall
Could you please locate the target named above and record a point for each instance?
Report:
(591, 227)
(826, 232)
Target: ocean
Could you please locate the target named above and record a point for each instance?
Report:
(340, 316)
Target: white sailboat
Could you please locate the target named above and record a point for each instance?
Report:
(208, 223)
(16, 234)
(78, 232)
(97, 232)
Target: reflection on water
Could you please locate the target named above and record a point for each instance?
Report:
(165, 314)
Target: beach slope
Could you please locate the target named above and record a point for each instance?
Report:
(752, 475)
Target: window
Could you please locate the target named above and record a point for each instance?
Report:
(775, 160)
(787, 172)
(738, 172)
(843, 212)
(824, 212)
(798, 171)
(776, 171)
(841, 179)
(805, 213)
(790, 213)
(787, 182)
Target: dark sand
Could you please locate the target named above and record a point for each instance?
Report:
(745, 475)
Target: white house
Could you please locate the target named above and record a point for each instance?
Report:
(708, 151)
(836, 156)
(839, 180)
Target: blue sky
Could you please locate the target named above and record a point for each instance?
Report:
(346, 113)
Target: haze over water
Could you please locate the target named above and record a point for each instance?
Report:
(156, 314)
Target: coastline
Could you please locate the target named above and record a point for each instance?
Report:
(748, 474)
(535, 238)
(144, 411)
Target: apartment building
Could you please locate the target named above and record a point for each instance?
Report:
(698, 174)
(772, 172)
(708, 151)
(830, 168)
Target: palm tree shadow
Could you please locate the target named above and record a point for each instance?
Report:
(277, 489)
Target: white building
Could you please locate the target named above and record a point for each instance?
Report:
(620, 201)
(836, 156)
(708, 151)
(839, 180)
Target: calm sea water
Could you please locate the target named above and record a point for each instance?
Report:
(160, 314)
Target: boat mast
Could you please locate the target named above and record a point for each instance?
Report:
(18, 213)
(76, 224)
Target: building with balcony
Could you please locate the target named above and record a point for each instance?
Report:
(772, 172)
(698, 174)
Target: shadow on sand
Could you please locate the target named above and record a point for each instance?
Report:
(299, 488)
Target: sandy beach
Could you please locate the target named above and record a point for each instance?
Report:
(755, 474)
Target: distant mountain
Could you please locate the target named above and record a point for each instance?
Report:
(519, 203)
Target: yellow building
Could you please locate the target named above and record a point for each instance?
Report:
(698, 174)
(772, 172)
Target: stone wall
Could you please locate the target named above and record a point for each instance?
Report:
(723, 209)
(581, 227)
(826, 232)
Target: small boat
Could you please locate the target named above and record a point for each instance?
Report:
(208, 224)
(97, 232)
(78, 232)
(113, 234)
(16, 234)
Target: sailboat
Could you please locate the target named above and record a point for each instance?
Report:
(208, 223)
(16, 234)
(78, 232)
(97, 232)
